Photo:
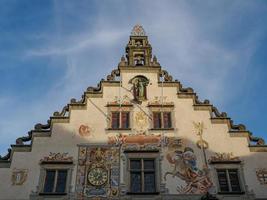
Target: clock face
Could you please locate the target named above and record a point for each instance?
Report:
(97, 176)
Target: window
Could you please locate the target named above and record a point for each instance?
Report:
(55, 181)
(162, 120)
(120, 120)
(228, 180)
(142, 175)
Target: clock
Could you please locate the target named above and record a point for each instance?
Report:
(97, 176)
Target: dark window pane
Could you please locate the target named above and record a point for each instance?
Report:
(222, 177)
(167, 120)
(125, 120)
(157, 120)
(135, 182)
(149, 182)
(135, 164)
(115, 120)
(149, 164)
(61, 181)
(233, 175)
(49, 180)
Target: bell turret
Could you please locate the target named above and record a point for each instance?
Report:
(138, 50)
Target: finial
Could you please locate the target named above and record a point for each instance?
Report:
(122, 58)
(138, 30)
(155, 60)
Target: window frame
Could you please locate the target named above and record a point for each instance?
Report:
(162, 121)
(120, 127)
(56, 167)
(229, 166)
(144, 155)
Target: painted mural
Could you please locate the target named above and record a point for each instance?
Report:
(185, 171)
(97, 172)
(19, 176)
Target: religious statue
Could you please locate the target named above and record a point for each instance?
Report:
(139, 88)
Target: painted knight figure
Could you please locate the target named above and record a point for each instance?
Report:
(138, 135)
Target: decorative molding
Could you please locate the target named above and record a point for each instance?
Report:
(57, 158)
(224, 157)
(19, 176)
(138, 139)
(160, 101)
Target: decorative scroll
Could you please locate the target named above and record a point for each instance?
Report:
(19, 176)
(223, 157)
(74, 101)
(262, 176)
(97, 172)
(42, 127)
(7, 156)
(63, 113)
(165, 75)
(217, 113)
(113, 75)
(21, 140)
(57, 157)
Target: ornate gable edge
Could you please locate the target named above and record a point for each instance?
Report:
(256, 144)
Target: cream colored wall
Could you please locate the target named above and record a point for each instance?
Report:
(65, 138)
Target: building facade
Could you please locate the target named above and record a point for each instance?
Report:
(138, 135)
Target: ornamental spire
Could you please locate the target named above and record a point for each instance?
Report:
(138, 30)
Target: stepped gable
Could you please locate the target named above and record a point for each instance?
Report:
(138, 54)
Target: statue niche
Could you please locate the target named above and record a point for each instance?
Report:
(139, 88)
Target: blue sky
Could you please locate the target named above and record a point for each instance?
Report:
(51, 51)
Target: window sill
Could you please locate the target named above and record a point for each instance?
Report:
(230, 193)
(52, 194)
(118, 129)
(142, 193)
(162, 129)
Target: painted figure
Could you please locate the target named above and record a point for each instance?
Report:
(185, 167)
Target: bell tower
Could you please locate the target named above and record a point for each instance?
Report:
(138, 50)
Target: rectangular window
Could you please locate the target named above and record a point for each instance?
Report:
(55, 181)
(125, 120)
(115, 124)
(228, 180)
(120, 120)
(142, 175)
(162, 120)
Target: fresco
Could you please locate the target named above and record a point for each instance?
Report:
(19, 176)
(97, 172)
(183, 162)
(85, 130)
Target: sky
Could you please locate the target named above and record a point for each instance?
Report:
(52, 50)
